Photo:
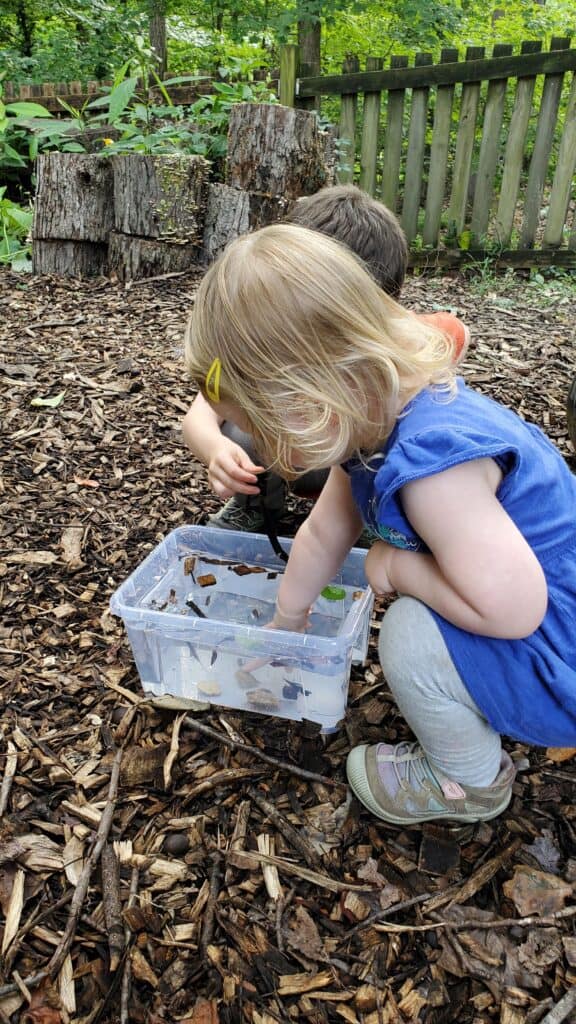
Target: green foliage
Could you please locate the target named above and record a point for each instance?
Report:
(547, 287)
(202, 51)
(15, 134)
(15, 226)
(380, 30)
(140, 122)
(69, 40)
(18, 144)
(80, 39)
(211, 113)
(407, 26)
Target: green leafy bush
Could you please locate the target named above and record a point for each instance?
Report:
(72, 42)
(17, 141)
(140, 116)
(15, 227)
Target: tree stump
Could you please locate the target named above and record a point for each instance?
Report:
(276, 150)
(70, 259)
(160, 196)
(231, 212)
(73, 197)
(132, 258)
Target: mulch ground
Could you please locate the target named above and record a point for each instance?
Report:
(211, 867)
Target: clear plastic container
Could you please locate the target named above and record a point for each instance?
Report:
(195, 618)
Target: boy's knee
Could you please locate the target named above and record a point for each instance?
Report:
(245, 441)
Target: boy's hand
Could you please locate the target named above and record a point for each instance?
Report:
(378, 567)
(231, 471)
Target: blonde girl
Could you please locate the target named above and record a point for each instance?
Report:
(292, 340)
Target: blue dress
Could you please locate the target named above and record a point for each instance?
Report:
(525, 688)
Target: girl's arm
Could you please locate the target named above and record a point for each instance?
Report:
(201, 429)
(319, 548)
(230, 469)
(482, 575)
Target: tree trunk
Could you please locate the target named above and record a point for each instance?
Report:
(160, 196)
(231, 212)
(157, 10)
(69, 259)
(73, 194)
(24, 20)
(275, 150)
(134, 258)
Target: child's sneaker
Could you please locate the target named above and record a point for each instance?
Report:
(239, 514)
(398, 784)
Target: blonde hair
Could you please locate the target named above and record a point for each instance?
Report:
(317, 357)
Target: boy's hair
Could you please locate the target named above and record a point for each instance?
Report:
(299, 337)
(364, 224)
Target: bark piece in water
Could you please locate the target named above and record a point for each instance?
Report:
(206, 581)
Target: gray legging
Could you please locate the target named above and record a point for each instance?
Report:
(308, 485)
(432, 697)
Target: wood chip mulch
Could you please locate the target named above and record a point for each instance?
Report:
(210, 867)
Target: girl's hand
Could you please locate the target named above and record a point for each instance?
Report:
(297, 621)
(231, 471)
(378, 567)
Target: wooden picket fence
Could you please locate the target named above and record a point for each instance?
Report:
(458, 150)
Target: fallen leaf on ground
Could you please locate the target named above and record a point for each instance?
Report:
(304, 936)
(49, 403)
(541, 949)
(559, 754)
(536, 892)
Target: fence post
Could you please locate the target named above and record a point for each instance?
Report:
(370, 132)
(347, 128)
(288, 73)
(415, 155)
(464, 145)
(439, 150)
(489, 148)
(547, 117)
(563, 177)
(514, 152)
(393, 138)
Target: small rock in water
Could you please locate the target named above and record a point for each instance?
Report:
(246, 679)
(209, 688)
(264, 700)
(292, 690)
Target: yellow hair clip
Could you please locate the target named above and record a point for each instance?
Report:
(213, 380)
